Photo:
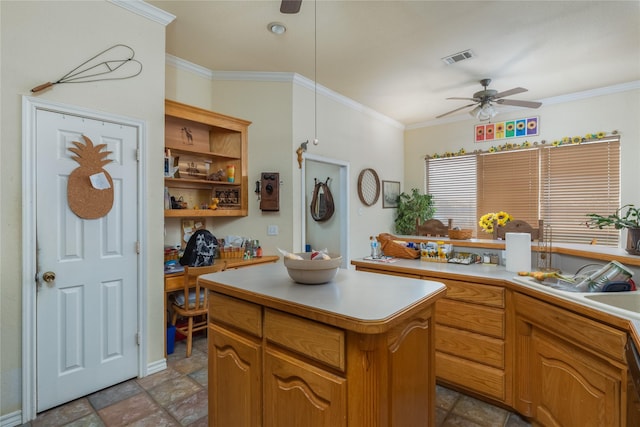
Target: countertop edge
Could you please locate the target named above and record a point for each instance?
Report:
(363, 326)
(631, 326)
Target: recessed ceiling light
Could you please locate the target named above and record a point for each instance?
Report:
(276, 28)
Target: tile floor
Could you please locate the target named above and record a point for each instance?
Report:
(178, 397)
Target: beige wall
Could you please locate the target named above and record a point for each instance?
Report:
(40, 42)
(618, 111)
(283, 116)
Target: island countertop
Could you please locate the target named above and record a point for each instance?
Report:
(359, 301)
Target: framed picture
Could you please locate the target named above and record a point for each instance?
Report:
(228, 197)
(390, 193)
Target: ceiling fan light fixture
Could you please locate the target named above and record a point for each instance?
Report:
(475, 112)
(487, 112)
(276, 28)
(483, 112)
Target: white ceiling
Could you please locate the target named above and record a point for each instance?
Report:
(387, 55)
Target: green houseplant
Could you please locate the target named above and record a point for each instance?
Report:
(627, 217)
(413, 209)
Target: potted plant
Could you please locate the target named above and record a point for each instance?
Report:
(413, 209)
(627, 217)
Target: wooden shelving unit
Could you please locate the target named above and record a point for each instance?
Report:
(205, 142)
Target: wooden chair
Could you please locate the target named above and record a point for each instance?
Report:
(192, 303)
(434, 227)
(518, 226)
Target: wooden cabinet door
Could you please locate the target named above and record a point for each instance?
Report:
(235, 386)
(572, 387)
(299, 394)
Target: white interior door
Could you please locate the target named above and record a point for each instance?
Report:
(86, 317)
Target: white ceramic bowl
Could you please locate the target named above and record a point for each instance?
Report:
(312, 271)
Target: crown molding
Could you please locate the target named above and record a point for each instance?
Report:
(294, 78)
(181, 64)
(146, 10)
(561, 99)
(302, 81)
(591, 93)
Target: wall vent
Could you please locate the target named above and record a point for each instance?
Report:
(460, 56)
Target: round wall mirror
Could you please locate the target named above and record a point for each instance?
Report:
(368, 186)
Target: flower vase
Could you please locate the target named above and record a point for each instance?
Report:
(633, 241)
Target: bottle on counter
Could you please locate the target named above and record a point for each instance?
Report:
(375, 247)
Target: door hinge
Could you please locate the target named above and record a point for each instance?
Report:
(137, 154)
(138, 247)
(137, 338)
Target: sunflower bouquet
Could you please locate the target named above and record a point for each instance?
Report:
(486, 220)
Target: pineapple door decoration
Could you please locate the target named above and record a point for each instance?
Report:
(90, 187)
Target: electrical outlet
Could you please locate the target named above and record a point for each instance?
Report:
(272, 230)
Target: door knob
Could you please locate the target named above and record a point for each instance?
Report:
(49, 276)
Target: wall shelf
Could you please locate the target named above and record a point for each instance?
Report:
(201, 143)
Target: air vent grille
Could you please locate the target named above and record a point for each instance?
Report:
(457, 57)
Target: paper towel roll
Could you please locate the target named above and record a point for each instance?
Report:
(518, 252)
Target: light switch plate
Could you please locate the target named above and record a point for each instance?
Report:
(272, 230)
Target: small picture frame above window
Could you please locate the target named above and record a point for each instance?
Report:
(390, 193)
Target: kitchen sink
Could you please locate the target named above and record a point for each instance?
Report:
(629, 301)
(625, 304)
(547, 284)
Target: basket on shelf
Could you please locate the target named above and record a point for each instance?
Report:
(393, 248)
(460, 234)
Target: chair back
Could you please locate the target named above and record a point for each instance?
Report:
(434, 227)
(191, 282)
(518, 226)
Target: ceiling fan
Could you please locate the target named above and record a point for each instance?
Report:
(290, 6)
(484, 99)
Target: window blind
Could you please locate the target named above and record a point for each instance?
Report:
(452, 183)
(576, 180)
(509, 181)
(559, 184)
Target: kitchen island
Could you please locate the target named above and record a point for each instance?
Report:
(358, 351)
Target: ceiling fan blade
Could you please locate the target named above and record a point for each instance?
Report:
(519, 103)
(509, 92)
(467, 99)
(290, 6)
(457, 109)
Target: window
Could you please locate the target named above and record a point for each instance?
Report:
(508, 181)
(576, 180)
(452, 183)
(559, 184)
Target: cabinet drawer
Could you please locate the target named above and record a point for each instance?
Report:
(471, 346)
(471, 317)
(175, 283)
(235, 313)
(475, 293)
(320, 342)
(473, 376)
